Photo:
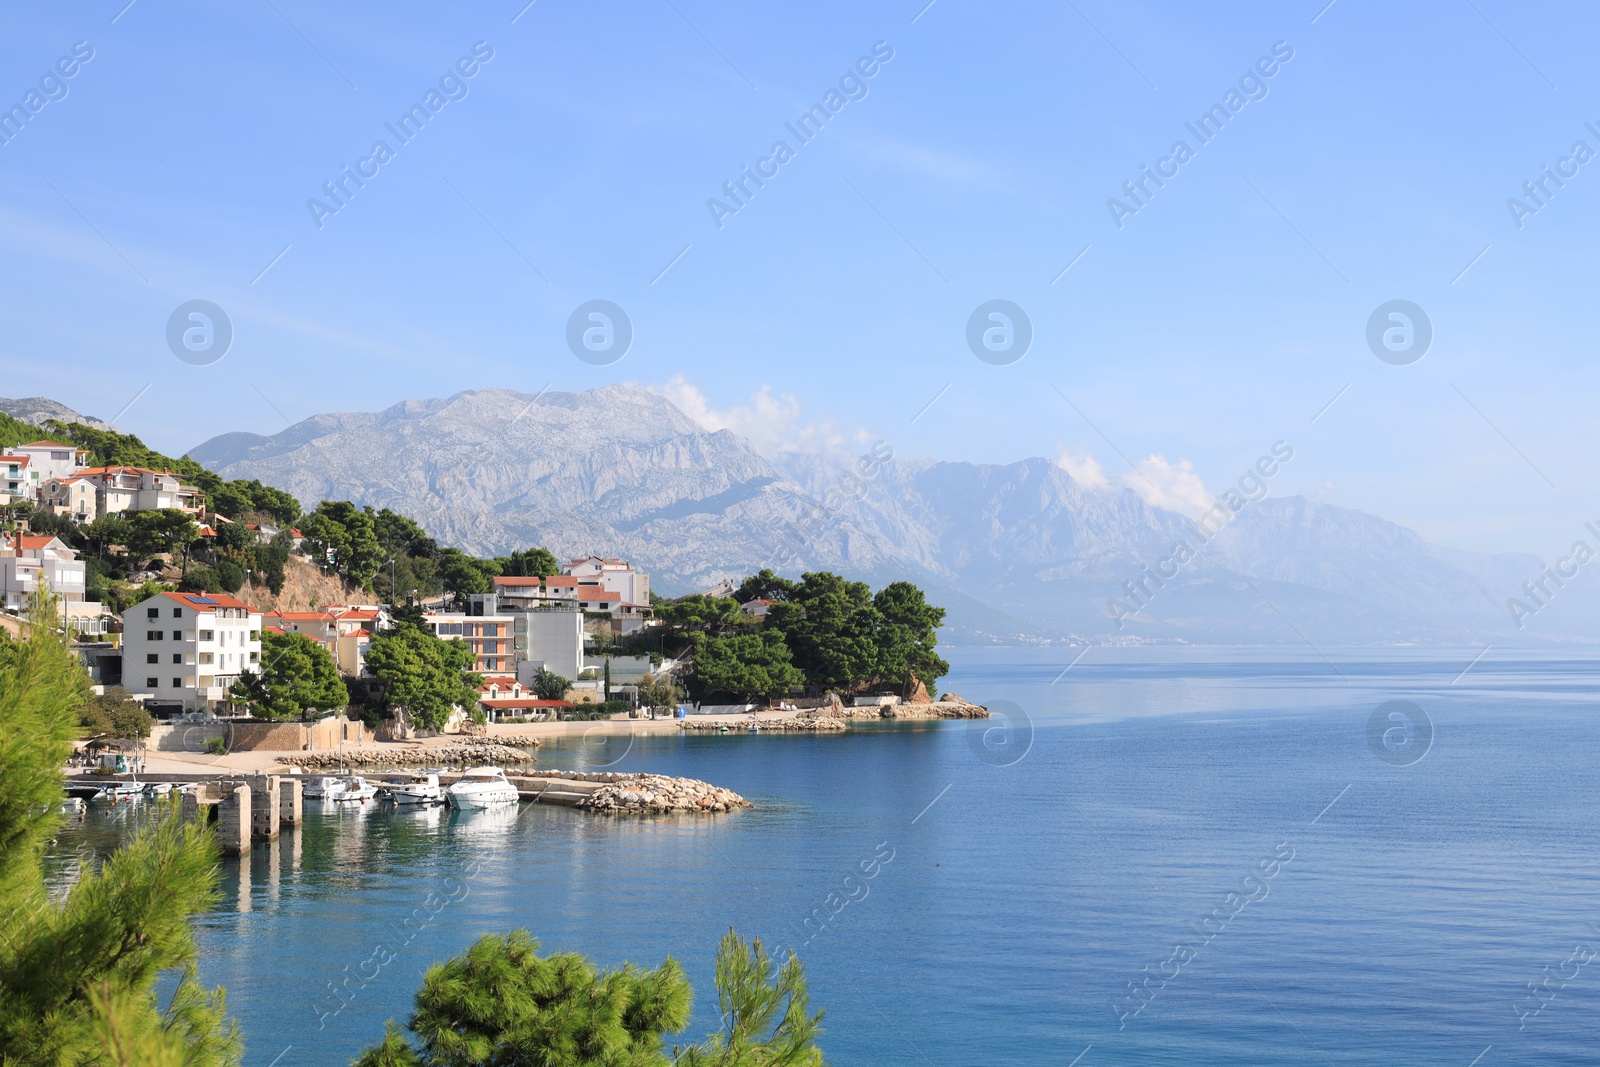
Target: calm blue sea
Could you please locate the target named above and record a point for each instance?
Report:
(987, 893)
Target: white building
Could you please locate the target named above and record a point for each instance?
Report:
(119, 489)
(549, 639)
(188, 648)
(29, 560)
(598, 574)
(52, 459)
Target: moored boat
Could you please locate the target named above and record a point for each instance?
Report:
(357, 790)
(118, 793)
(480, 788)
(413, 787)
(324, 787)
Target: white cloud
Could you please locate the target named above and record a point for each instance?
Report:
(1174, 486)
(1084, 468)
(771, 423)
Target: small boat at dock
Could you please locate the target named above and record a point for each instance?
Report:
(481, 788)
(118, 793)
(324, 787)
(419, 787)
(356, 790)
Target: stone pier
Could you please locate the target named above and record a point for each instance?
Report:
(234, 822)
(290, 808)
(266, 799)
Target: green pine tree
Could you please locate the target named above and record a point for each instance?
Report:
(502, 1004)
(77, 975)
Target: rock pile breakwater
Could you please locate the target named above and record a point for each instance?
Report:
(462, 754)
(656, 794)
(802, 724)
(948, 706)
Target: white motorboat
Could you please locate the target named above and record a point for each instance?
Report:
(357, 790)
(72, 805)
(118, 793)
(418, 787)
(158, 790)
(324, 787)
(480, 788)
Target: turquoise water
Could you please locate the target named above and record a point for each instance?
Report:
(985, 893)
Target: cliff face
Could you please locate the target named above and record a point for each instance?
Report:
(614, 470)
(1016, 551)
(305, 588)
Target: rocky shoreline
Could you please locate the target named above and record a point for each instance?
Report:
(658, 794)
(948, 706)
(802, 724)
(461, 754)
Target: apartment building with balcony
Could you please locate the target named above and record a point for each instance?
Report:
(186, 649)
(29, 561)
(490, 635)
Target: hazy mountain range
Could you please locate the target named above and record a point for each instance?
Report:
(1017, 552)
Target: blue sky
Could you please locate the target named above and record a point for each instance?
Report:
(1220, 318)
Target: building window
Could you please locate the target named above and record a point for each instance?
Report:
(177, 613)
(152, 683)
(177, 635)
(152, 635)
(177, 657)
(206, 657)
(207, 635)
(152, 613)
(151, 657)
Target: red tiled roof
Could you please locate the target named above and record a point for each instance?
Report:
(217, 600)
(600, 594)
(561, 579)
(524, 702)
(50, 444)
(517, 580)
(363, 632)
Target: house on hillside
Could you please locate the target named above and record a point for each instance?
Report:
(52, 459)
(184, 650)
(120, 489)
(15, 481)
(346, 632)
(72, 496)
(28, 561)
(265, 532)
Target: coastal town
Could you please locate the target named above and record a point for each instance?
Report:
(272, 641)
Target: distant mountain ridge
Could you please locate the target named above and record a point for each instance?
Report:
(39, 409)
(1019, 551)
